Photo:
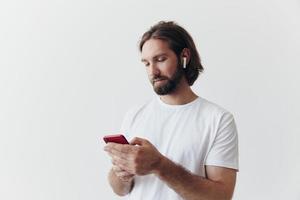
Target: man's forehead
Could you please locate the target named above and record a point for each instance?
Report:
(153, 48)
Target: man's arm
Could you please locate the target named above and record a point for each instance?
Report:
(143, 158)
(120, 181)
(219, 184)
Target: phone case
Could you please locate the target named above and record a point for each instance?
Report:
(117, 138)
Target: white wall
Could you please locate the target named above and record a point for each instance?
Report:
(69, 70)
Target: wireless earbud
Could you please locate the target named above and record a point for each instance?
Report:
(184, 62)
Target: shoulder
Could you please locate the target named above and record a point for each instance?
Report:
(212, 109)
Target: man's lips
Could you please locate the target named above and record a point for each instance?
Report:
(157, 80)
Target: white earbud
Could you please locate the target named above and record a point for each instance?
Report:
(184, 62)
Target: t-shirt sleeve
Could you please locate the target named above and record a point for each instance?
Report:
(224, 149)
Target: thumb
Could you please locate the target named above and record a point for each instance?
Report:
(138, 141)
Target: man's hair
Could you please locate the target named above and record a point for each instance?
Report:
(178, 39)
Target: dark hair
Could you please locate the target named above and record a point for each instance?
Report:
(178, 39)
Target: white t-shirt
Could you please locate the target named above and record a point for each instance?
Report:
(193, 135)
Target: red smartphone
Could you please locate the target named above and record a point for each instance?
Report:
(117, 138)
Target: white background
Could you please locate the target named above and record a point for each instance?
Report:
(69, 70)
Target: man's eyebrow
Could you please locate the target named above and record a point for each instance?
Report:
(154, 57)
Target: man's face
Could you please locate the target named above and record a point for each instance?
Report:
(162, 66)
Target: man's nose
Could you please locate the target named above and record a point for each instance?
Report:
(153, 70)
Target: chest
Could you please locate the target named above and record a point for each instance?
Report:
(182, 137)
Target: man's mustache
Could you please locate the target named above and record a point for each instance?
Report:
(158, 78)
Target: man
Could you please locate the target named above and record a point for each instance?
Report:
(183, 146)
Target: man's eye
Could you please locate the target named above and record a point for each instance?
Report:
(160, 59)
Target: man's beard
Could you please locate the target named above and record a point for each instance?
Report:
(171, 83)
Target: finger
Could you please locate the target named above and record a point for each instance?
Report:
(126, 167)
(122, 169)
(129, 176)
(123, 174)
(110, 145)
(121, 162)
(125, 156)
(116, 168)
(138, 141)
(121, 156)
(116, 155)
(122, 148)
(126, 178)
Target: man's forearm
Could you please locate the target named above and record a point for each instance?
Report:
(188, 185)
(119, 187)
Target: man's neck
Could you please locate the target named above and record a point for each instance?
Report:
(182, 95)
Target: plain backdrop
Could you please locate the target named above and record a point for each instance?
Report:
(69, 70)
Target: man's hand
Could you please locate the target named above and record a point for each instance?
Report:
(122, 174)
(138, 158)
